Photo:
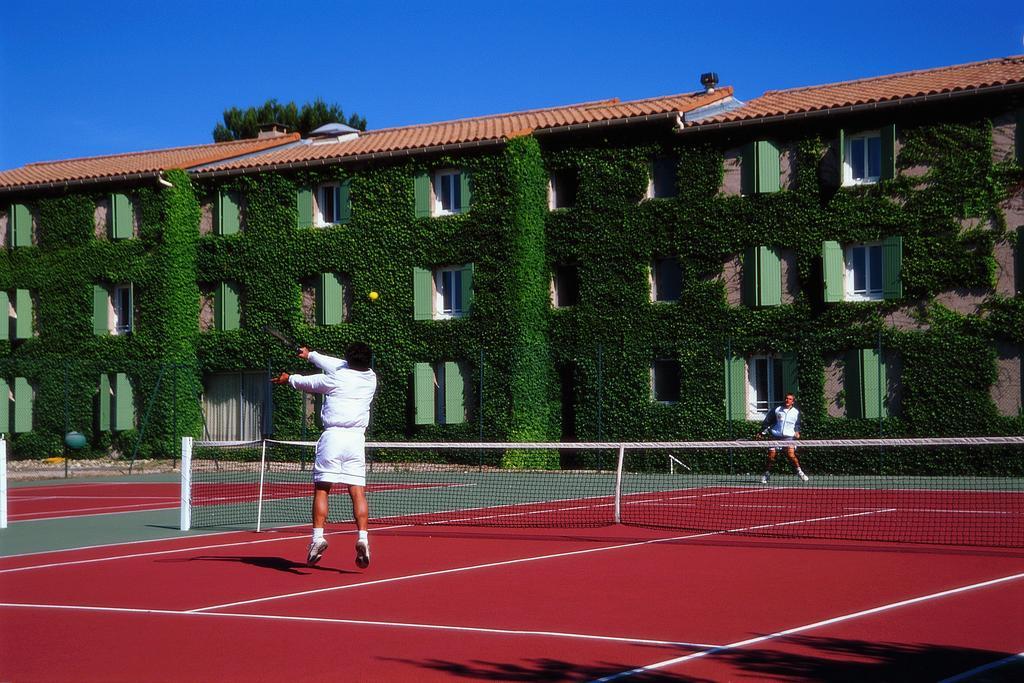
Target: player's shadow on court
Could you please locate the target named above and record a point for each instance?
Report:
(280, 564)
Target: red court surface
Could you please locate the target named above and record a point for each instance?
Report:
(458, 603)
(72, 500)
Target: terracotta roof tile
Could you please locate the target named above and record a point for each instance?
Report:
(134, 163)
(961, 77)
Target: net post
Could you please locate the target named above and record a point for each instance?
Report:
(259, 502)
(618, 484)
(186, 483)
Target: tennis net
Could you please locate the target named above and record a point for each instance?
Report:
(964, 491)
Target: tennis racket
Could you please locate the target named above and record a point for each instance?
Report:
(287, 341)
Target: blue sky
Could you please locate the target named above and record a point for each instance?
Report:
(82, 78)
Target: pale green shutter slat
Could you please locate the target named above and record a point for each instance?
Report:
(789, 376)
(121, 217)
(5, 319)
(892, 263)
(423, 393)
(842, 156)
(131, 307)
(768, 178)
(736, 388)
(329, 300)
(231, 315)
(454, 393)
(421, 188)
(422, 294)
(748, 168)
(103, 403)
(464, 190)
(304, 200)
(748, 283)
(5, 406)
(833, 267)
(228, 215)
(21, 231)
(854, 384)
(23, 309)
(22, 405)
(467, 289)
(124, 403)
(873, 378)
(100, 300)
(769, 270)
(888, 145)
(345, 202)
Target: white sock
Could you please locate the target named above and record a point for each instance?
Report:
(318, 534)
(363, 536)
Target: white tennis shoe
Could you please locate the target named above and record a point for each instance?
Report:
(801, 474)
(362, 554)
(316, 551)
(765, 478)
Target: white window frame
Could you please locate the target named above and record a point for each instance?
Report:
(321, 200)
(759, 398)
(455, 282)
(454, 192)
(868, 294)
(654, 365)
(120, 294)
(866, 137)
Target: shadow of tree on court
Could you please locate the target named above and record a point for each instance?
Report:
(280, 564)
(796, 658)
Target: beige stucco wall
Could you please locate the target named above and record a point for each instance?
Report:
(1006, 390)
(1004, 137)
(4, 221)
(309, 302)
(834, 378)
(787, 167)
(206, 315)
(1008, 280)
(732, 178)
(790, 281)
(101, 217)
(732, 280)
(206, 218)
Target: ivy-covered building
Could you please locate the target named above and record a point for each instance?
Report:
(658, 269)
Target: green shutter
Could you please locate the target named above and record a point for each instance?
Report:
(789, 377)
(853, 384)
(748, 281)
(873, 378)
(467, 289)
(103, 403)
(304, 201)
(5, 406)
(767, 165)
(735, 388)
(21, 230)
(833, 268)
(22, 405)
(748, 172)
(227, 310)
(892, 263)
(345, 201)
(464, 191)
(23, 310)
(842, 158)
(421, 188)
(454, 393)
(100, 310)
(228, 215)
(1020, 263)
(422, 294)
(5, 317)
(888, 141)
(124, 403)
(120, 216)
(423, 393)
(769, 277)
(329, 300)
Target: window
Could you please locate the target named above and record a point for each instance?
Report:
(757, 384)
(866, 384)
(115, 403)
(764, 384)
(760, 170)
(16, 402)
(665, 381)
(234, 405)
(863, 272)
(762, 277)
(868, 157)
(562, 188)
(333, 206)
(447, 192)
(440, 391)
(442, 193)
(443, 292)
(565, 286)
(121, 218)
(662, 181)
(666, 279)
(113, 310)
(17, 308)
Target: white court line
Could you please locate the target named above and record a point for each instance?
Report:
(362, 622)
(520, 560)
(808, 627)
(959, 512)
(987, 667)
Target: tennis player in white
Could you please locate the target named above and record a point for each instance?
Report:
(782, 424)
(348, 387)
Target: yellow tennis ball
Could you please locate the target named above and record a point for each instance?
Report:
(373, 296)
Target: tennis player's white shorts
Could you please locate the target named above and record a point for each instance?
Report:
(341, 456)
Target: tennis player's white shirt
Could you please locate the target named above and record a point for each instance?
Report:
(787, 422)
(341, 449)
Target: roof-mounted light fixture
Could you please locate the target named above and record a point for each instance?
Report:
(710, 81)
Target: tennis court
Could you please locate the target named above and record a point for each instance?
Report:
(532, 598)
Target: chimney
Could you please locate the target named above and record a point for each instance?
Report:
(272, 130)
(710, 81)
